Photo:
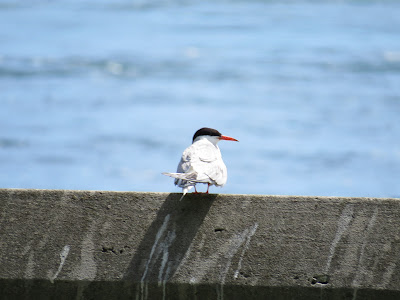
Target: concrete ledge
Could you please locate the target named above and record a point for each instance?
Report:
(57, 244)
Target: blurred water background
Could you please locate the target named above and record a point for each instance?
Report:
(105, 95)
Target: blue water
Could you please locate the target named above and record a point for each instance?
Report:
(106, 96)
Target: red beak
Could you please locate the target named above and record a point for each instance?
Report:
(227, 138)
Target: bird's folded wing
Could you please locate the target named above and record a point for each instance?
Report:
(216, 175)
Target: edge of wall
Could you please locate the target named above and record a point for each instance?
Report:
(128, 245)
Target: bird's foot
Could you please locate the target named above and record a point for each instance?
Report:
(208, 186)
(196, 192)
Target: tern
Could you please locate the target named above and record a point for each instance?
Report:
(202, 162)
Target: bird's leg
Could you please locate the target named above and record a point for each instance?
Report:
(208, 186)
(195, 191)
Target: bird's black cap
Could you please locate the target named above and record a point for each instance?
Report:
(206, 131)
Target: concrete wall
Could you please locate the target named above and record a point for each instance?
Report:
(57, 244)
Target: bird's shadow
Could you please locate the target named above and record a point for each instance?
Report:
(168, 238)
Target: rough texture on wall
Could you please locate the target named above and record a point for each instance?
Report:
(57, 244)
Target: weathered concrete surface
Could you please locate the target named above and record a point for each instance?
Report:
(58, 244)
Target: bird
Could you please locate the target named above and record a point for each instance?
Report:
(202, 162)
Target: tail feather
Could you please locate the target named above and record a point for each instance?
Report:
(188, 177)
(191, 177)
(184, 176)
